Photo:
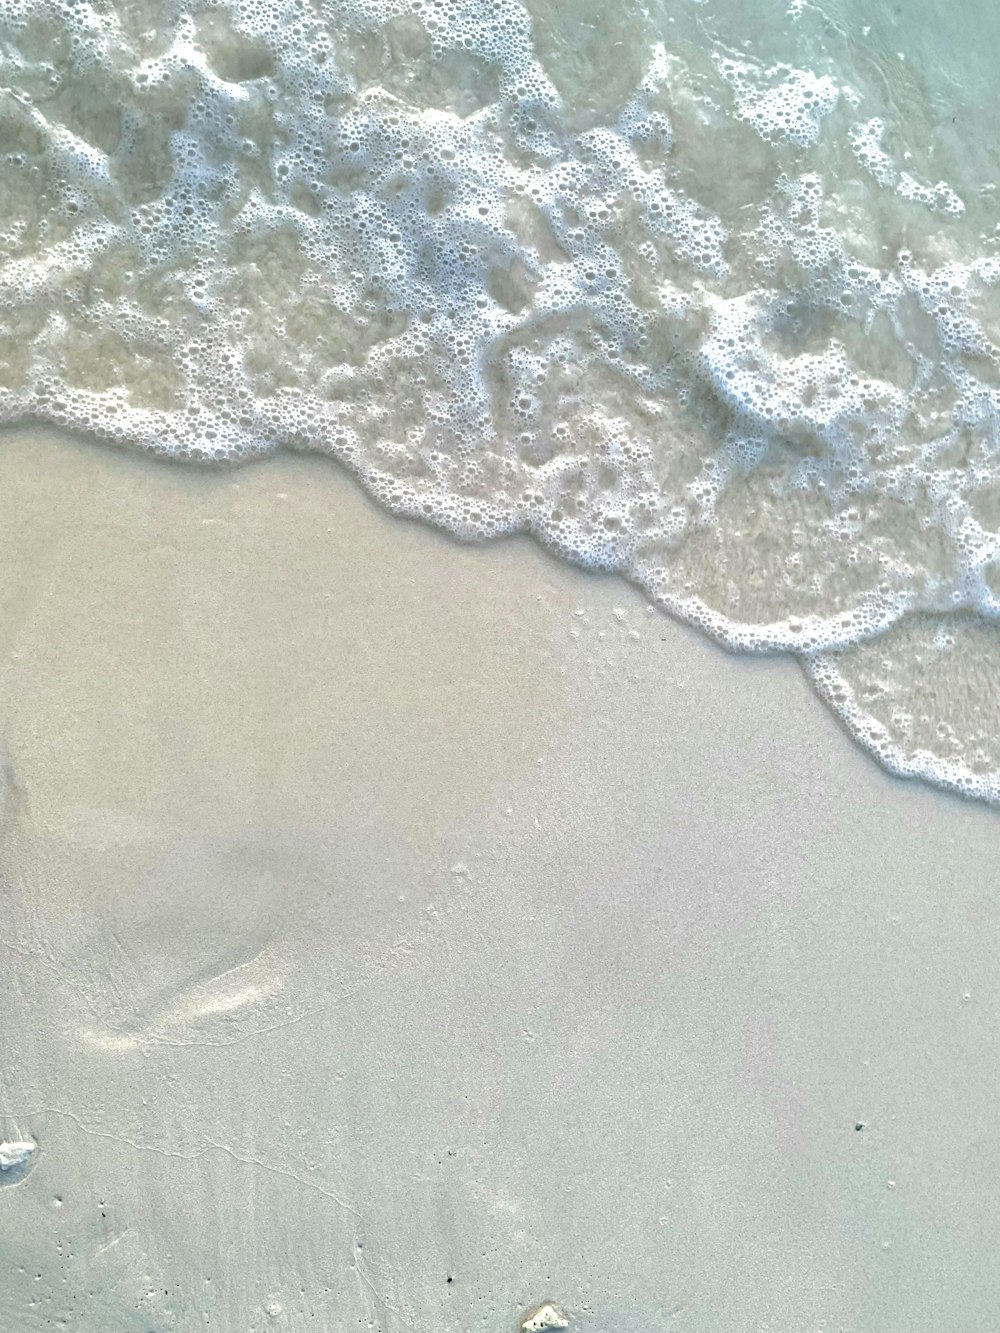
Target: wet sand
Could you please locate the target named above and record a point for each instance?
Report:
(399, 934)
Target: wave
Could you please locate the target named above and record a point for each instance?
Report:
(708, 316)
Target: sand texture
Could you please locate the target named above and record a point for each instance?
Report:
(402, 935)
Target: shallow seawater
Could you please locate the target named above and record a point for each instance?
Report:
(707, 294)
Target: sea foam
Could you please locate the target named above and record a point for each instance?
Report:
(683, 309)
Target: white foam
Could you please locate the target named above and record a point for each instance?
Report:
(784, 105)
(751, 363)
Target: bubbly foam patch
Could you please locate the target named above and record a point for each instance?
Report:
(700, 319)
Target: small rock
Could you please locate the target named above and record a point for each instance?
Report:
(15, 1153)
(546, 1316)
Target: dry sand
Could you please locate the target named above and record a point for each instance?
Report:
(401, 935)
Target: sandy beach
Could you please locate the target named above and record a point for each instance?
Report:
(399, 934)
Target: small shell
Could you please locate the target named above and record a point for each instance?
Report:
(546, 1316)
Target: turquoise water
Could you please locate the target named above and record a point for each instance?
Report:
(707, 294)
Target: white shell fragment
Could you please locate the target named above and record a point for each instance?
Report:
(14, 1154)
(546, 1316)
